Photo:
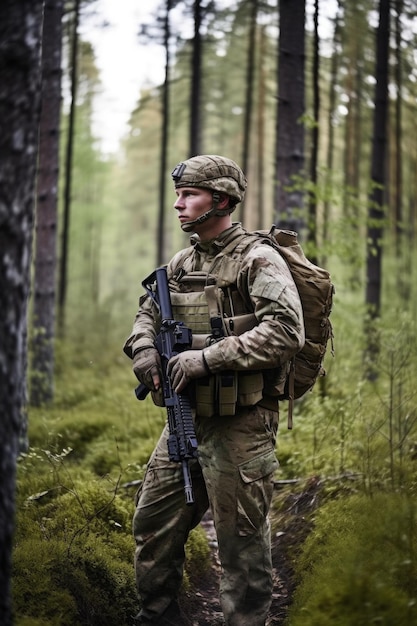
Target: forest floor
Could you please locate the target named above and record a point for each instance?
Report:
(291, 523)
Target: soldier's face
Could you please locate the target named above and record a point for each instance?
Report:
(192, 203)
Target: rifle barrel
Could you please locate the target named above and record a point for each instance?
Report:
(164, 298)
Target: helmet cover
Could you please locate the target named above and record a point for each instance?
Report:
(213, 172)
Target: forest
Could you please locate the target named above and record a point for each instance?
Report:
(317, 101)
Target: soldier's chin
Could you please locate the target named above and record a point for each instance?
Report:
(187, 227)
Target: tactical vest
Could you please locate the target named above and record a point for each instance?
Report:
(213, 307)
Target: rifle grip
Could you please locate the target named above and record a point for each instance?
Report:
(141, 391)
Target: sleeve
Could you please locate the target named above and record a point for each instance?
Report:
(144, 328)
(280, 331)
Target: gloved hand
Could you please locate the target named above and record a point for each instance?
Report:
(185, 366)
(147, 368)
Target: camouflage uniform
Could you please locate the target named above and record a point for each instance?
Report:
(233, 474)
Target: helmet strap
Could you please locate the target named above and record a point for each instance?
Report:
(188, 226)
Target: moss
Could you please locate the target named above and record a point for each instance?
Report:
(197, 553)
(73, 544)
(83, 508)
(359, 565)
(88, 583)
(76, 566)
(35, 592)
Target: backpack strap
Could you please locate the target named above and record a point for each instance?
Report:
(290, 394)
(182, 261)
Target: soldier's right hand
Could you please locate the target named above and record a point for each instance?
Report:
(147, 368)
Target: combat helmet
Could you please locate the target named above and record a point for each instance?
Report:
(214, 172)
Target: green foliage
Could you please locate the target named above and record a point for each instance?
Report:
(89, 448)
(349, 424)
(74, 540)
(37, 566)
(73, 555)
(197, 554)
(73, 545)
(89, 584)
(359, 565)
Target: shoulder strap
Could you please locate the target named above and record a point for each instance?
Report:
(182, 260)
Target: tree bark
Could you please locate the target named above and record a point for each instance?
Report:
(42, 371)
(260, 214)
(69, 152)
(353, 51)
(195, 109)
(161, 252)
(378, 179)
(250, 79)
(375, 230)
(398, 165)
(289, 198)
(312, 204)
(331, 124)
(20, 44)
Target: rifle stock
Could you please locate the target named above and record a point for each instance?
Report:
(174, 337)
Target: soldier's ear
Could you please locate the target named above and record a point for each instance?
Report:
(223, 201)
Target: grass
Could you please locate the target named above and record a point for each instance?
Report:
(73, 555)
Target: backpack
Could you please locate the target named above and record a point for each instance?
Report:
(316, 292)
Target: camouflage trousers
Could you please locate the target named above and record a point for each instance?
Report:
(234, 477)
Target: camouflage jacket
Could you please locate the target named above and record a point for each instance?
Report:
(264, 287)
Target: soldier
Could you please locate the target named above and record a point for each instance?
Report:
(234, 377)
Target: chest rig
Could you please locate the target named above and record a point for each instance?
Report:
(209, 297)
(208, 294)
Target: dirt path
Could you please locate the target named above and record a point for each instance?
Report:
(290, 525)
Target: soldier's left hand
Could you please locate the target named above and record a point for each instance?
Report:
(185, 366)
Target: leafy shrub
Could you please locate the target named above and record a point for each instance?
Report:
(359, 565)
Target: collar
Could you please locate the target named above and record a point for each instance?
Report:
(216, 245)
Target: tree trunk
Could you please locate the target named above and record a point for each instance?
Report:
(350, 50)
(63, 270)
(260, 214)
(161, 252)
(42, 371)
(250, 74)
(289, 197)
(397, 192)
(355, 17)
(20, 36)
(195, 108)
(375, 230)
(331, 124)
(312, 205)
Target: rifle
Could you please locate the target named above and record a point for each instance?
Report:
(174, 337)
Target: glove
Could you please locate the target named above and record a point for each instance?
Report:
(147, 368)
(185, 366)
